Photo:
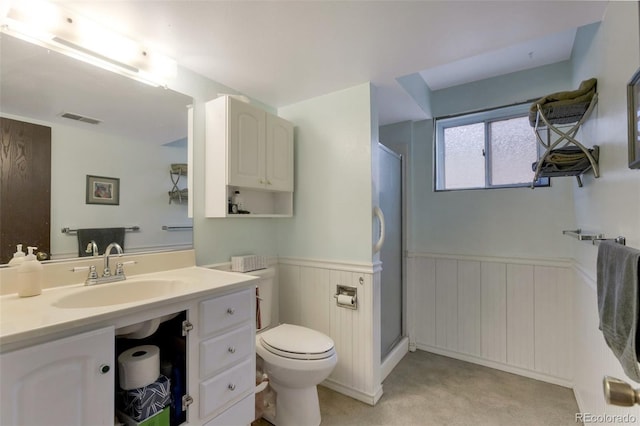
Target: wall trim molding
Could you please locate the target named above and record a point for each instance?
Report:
(394, 357)
(336, 265)
(370, 399)
(561, 262)
(586, 276)
(567, 383)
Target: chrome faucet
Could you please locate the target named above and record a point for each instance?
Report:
(92, 248)
(106, 277)
(107, 253)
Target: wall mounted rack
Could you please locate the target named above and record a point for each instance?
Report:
(592, 236)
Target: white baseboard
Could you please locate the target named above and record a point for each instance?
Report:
(498, 366)
(353, 393)
(394, 357)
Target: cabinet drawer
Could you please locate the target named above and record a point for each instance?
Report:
(225, 387)
(220, 352)
(225, 311)
(241, 413)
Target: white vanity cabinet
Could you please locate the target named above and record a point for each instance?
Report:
(226, 353)
(69, 381)
(251, 151)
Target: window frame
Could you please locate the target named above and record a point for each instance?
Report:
(485, 117)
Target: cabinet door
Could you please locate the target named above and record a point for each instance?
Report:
(279, 154)
(246, 145)
(65, 382)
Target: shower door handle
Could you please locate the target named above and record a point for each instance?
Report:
(377, 212)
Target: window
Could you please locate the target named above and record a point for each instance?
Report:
(488, 149)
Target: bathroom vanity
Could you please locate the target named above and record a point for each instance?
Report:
(59, 359)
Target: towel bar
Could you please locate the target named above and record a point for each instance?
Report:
(593, 237)
(70, 231)
(177, 228)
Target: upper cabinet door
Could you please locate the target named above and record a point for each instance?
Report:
(279, 154)
(246, 145)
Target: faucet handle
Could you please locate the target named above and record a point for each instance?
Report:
(120, 266)
(93, 274)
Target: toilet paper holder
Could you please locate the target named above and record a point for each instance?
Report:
(346, 297)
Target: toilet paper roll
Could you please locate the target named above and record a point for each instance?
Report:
(344, 299)
(139, 366)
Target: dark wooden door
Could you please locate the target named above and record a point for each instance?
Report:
(25, 187)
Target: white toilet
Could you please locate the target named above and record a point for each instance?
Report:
(296, 359)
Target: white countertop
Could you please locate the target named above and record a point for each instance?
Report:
(24, 318)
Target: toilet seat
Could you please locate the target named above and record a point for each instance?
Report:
(295, 342)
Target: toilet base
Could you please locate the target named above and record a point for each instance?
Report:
(296, 407)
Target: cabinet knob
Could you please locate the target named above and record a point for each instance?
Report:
(231, 387)
(268, 182)
(104, 369)
(261, 180)
(231, 311)
(232, 350)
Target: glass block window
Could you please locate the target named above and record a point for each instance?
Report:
(488, 149)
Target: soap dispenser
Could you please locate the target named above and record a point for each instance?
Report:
(30, 275)
(18, 256)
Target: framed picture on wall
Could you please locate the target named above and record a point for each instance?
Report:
(633, 102)
(103, 190)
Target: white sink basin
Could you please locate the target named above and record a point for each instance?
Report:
(118, 293)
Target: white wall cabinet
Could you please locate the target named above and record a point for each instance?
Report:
(66, 382)
(251, 151)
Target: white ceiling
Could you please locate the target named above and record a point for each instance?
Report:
(283, 52)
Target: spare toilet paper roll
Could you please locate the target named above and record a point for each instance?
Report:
(139, 366)
(344, 299)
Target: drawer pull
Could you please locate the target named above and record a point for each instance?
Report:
(232, 350)
(231, 387)
(104, 369)
(231, 311)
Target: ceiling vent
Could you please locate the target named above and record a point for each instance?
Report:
(77, 117)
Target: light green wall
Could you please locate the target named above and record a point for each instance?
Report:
(610, 204)
(333, 178)
(510, 222)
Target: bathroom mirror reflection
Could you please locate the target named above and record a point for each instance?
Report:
(141, 132)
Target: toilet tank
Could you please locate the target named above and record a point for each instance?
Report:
(266, 290)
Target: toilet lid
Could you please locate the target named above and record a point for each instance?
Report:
(293, 341)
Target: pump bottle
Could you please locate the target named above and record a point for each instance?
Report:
(30, 275)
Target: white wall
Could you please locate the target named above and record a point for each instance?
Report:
(144, 186)
(611, 204)
(333, 178)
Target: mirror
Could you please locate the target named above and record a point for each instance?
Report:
(141, 133)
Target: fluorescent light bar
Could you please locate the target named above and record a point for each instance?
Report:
(50, 26)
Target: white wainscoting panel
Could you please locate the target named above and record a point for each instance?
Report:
(469, 305)
(493, 311)
(306, 298)
(510, 314)
(520, 319)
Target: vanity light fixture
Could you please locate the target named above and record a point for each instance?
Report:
(46, 24)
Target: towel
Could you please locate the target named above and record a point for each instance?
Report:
(617, 279)
(102, 237)
(565, 107)
(567, 159)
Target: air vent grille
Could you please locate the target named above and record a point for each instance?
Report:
(78, 117)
